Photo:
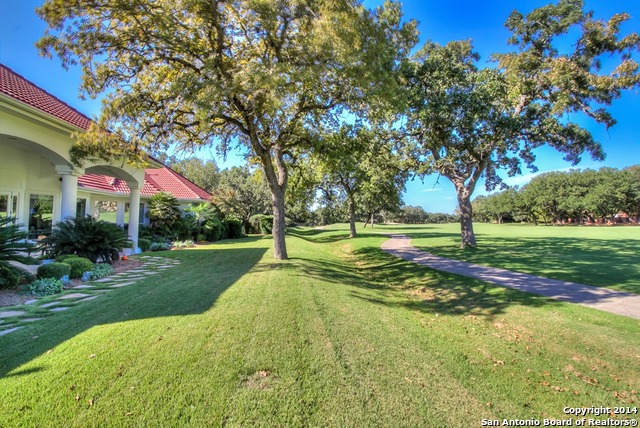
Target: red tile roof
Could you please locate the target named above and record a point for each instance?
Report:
(155, 181)
(17, 87)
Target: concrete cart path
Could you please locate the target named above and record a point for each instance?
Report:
(617, 302)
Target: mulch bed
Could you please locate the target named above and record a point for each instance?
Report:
(13, 297)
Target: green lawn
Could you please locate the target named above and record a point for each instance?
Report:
(601, 256)
(341, 335)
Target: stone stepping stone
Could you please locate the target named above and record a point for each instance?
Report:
(84, 287)
(29, 302)
(59, 309)
(122, 284)
(11, 330)
(74, 296)
(9, 314)
(107, 279)
(48, 305)
(30, 319)
(88, 298)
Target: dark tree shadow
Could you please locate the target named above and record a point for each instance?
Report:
(378, 277)
(606, 263)
(161, 295)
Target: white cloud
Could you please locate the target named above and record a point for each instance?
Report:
(436, 189)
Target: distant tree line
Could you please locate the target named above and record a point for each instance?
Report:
(605, 196)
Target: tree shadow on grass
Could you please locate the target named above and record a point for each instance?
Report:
(377, 277)
(190, 288)
(606, 263)
(433, 291)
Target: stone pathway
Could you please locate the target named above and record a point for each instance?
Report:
(617, 302)
(14, 318)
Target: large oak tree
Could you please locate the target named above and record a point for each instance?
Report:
(264, 73)
(470, 122)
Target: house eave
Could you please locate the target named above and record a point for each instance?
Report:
(36, 114)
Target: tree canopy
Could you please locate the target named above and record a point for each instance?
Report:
(200, 72)
(360, 167)
(470, 123)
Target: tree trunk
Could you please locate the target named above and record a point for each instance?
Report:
(277, 179)
(466, 220)
(279, 226)
(366, 222)
(352, 218)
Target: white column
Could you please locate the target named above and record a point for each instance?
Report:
(69, 190)
(120, 213)
(134, 213)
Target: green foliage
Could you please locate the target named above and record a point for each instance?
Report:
(214, 229)
(576, 196)
(243, 192)
(164, 213)
(54, 270)
(79, 265)
(266, 224)
(202, 172)
(46, 286)
(417, 215)
(101, 270)
(63, 258)
(13, 247)
(470, 122)
(196, 217)
(234, 227)
(159, 246)
(89, 238)
(288, 67)
(188, 243)
(254, 223)
(144, 244)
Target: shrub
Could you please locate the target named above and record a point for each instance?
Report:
(144, 244)
(13, 246)
(197, 215)
(100, 270)
(202, 238)
(184, 244)
(159, 246)
(89, 238)
(235, 228)
(79, 265)
(254, 222)
(213, 228)
(65, 257)
(164, 212)
(46, 286)
(54, 270)
(266, 224)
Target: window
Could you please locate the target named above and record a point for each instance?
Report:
(40, 215)
(81, 208)
(8, 205)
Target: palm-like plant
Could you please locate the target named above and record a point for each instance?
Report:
(14, 247)
(89, 238)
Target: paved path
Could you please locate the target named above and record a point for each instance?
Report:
(617, 302)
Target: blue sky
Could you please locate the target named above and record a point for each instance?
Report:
(440, 20)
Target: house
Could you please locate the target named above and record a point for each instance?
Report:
(40, 186)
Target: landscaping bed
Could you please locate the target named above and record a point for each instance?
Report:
(13, 297)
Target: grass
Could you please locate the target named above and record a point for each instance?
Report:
(600, 256)
(340, 335)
